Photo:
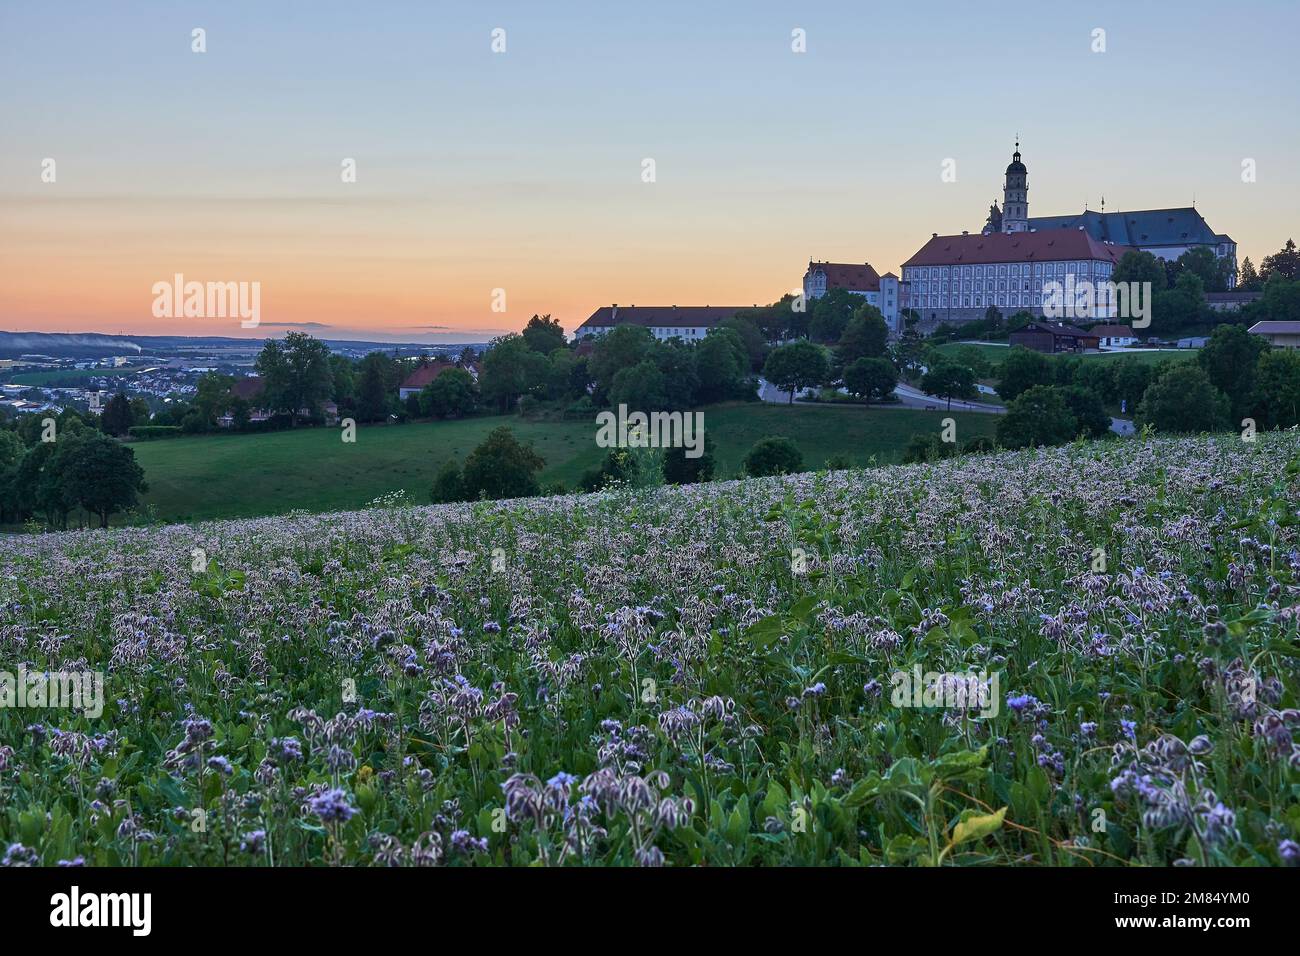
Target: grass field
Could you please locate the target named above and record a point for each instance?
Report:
(65, 377)
(311, 469)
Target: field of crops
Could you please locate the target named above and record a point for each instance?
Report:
(705, 675)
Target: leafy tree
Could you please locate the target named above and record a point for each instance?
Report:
(1022, 369)
(376, 387)
(681, 470)
(511, 369)
(140, 413)
(1179, 306)
(502, 468)
(1037, 416)
(1206, 265)
(344, 390)
(1099, 378)
(99, 474)
(212, 397)
(830, 314)
(451, 395)
(640, 388)
(1087, 409)
(676, 361)
(116, 417)
(1281, 302)
(751, 336)
(296, 374)
(1131, 382)
(722, 364)
(1229, 358)
(619, 348)
(948, 380)
(864, 336)
(773, 455)
(1284, 264)
(1277, 388)
(1183, 399)
(871, 378)
(1140, 267)
(448, 484)
(544, 335)
(797, 366)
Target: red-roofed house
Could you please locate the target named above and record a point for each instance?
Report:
(414, 383)
(250, 390)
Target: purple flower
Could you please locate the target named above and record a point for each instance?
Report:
(332, 806)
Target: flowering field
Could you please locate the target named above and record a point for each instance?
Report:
(723, 674)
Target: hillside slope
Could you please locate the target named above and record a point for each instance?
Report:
(698, 675)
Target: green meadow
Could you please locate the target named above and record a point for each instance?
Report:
(312, 469)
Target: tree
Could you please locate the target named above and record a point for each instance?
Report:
(99, 474)
(621, 347)
(1179, 306)
(1284, 264)
(296, 374)
(450, 395)
(722, 364)
(1037, 416)
(511, 369)
(1229, 358)
(376, 387)
(544, 335)
(1202, 261)
(1131, 382)
(1088, 410)
(773, 455)
(949, 380)
(212, 397)
(1248, 280)
(928, 446)
(864, 336)
(344, 389)
(1183, 399)
(751, 336)
(871, 378)
(448, 484)
(1140, 267)
(1277, 388)
(830, 314)
(1022, 369)
(502, 468)
(640, 388)
(797, 366)
(116, 417)
(680, 470)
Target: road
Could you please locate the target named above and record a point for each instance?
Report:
(909, 397)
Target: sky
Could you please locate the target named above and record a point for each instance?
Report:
(492, 185)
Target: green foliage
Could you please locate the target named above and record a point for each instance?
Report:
(502, 468)
(1183, 399)
(152, 432)
(544, 334)
(796, 366)
(774, 455)
(296, 374)
(452, 394)
(1022, 369)
(679, 469)
(871, 378)
(448, 484)
(949, 380)
(865, 335)
(1038, 416)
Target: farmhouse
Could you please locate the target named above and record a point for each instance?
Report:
(1053, 337)
(1114, 336)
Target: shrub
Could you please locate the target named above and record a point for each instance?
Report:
(773, 456)
(152, 432)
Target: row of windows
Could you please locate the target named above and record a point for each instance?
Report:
(1012, 300)
(1001, 270)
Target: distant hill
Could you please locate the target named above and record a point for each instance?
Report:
(82, 345)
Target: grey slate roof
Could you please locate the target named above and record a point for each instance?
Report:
(1143, 227)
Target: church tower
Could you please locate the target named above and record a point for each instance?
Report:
(1015, 196)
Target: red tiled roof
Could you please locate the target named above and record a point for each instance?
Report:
(425, 374)
(1049, 245)
(853, 276)
(661, 316)
(1058, 329)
